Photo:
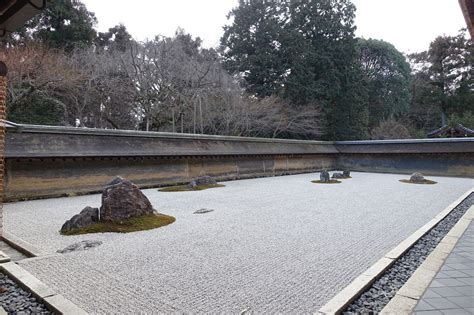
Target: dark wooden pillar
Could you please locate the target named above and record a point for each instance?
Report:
(3, 116)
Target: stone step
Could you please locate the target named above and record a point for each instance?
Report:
(10, 252)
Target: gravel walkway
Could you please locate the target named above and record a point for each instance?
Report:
(384, 289)
(15, 300)
(452, 289)
(277, 244)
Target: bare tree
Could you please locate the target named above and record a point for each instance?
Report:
(104, 99)
(390, 129)
(269, 117)
(166, 84)
(34, 68)
(170, 77)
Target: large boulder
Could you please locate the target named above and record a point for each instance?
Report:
(115, 181)
(417, 178)
(346, 173)
(203, 180)
(86, 217)
(122, 199)
(324, 176)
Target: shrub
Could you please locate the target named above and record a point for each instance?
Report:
(390, 129)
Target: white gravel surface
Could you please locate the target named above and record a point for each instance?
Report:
(280, 244)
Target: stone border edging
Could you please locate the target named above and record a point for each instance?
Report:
(4, 257)
(55, 302)
(410, 293)
(345, 297)
(21, 245)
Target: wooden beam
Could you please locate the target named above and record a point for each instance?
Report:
(467, 7)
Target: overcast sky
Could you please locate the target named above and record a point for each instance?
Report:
(408, 24)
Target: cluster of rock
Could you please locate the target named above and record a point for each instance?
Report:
(203, 180)
(15, 300)
(82, 245)
(417, 178)
(325, 177)
(344, 174)
(121, 199)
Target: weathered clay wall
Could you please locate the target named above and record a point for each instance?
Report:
(43, 177)
(457, 165)
(444, 157)
(53, 161)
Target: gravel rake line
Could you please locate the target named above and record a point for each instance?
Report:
(252, 252)
(376, 297)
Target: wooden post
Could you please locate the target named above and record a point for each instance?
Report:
(3, 116)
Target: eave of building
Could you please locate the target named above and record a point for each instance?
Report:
(467, 7)
(15, 13)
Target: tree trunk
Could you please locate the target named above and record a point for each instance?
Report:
(194, 117)
(443, 118)
(200, 115)
(173, 120)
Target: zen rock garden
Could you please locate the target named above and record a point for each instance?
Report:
(224, 238)
(417, 178)
(325, 177)
(124, 209)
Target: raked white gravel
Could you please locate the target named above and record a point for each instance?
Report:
(278, 244)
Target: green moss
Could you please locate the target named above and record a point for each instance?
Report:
(146, 222)
(424, 182)
(187, 188)
(331, 181)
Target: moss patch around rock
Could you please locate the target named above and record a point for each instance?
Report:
(187, 188)
(146, 222)
(331, 181)
(424, 182)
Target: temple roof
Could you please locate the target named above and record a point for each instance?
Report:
(14, 13)
(451, 132)
(467, 7)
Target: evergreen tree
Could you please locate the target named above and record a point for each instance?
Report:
(445, 76)
(387, 75)
(254, 47)
(116, 37)
(65, 24)
(304, 50)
